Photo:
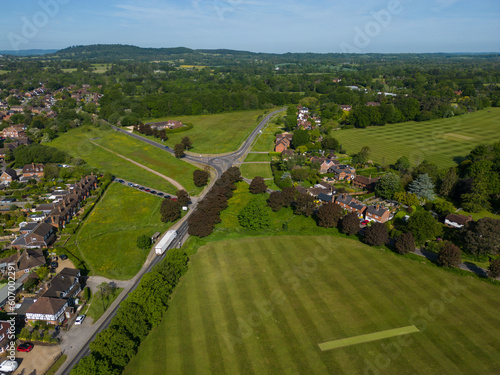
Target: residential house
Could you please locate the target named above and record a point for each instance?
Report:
(345, 107)
(377, 213)
(14, 131)
(50, 310)
(33, 170)
(343, 172)
(42, 236)
(348, 203)
(8, 176)
(66, 284)
(283, 142)
(325, 198)
(456, 221)
(4, 336)
(365, 183)
(285, 154)
(372, 104)
(343, 200)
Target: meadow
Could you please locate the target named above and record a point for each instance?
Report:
(219, 133)
(256, 169)
(107, 239)
(77, 143)
(263, 305)
(444, 142)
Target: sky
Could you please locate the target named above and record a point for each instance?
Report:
(278, 26)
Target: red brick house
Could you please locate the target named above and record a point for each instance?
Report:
(283, 141)
(33, 170)
(14, 131)
(8, 176)
(365, 183)
(377, 214)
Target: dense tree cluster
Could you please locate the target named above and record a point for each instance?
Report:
(255, 215)
(145, 129)
(207, 214)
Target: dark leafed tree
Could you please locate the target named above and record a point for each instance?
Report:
(289, 194)
(349, 224)
(328, 215)
(182, 197)
(170, 210)
(143, 241)
(186, 142)
(304, 205)
(449, 255)
(200, 224)
(162, 134)
(200, 178)
(179, 150)
(115, 345)
(258, 185)
(405, 243)
(376, 234)
(275, 201)
(494, 268)
(481, 237)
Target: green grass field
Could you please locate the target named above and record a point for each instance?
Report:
(258, 157)
(107, 239)
(266, 140)
(216, 133)
(254, 170)
(263, 305)
(441, 141)
(100, 305)
(77, 143)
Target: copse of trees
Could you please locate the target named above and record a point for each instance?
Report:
(207, 214)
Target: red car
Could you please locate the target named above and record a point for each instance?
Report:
(364, 222)
(26, 347)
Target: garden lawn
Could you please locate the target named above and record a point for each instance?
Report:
(256, 169)
(443, 142)
(77, 144)
(107, 239)
(262, 305)
(216, 133)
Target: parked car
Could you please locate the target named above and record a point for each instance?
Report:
(8, 366)
(63, 256)
(364, 222)
(153, 192)
(54, 264)
(120, 181)
(142, 188)
(147, 190)
(160, 194)
(167, 196)
(79, 320)
(174, 199)
(130, 184)
(26, 347)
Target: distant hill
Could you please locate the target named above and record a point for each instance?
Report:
(28, 52)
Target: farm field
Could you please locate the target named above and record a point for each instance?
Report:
(262, 306)
(216, 133)
(257, 169)
(107, 239)
(77, 143)
(442, 141)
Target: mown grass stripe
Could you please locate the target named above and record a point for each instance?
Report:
(336, 344)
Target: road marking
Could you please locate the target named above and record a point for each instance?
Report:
(329, 345)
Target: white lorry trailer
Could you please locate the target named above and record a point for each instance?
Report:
(167, 239)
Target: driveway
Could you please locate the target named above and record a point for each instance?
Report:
(38, 361)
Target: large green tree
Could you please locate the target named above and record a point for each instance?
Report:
(376, 234)
(300, 138)
(449, 255)
(328, 215)
(387, 185)
(255, 214)
(424, 226)
(481, 237)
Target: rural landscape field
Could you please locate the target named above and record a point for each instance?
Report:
(444, 142)
(262, 306)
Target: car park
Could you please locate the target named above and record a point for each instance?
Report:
(26, 347)
(79, 320)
